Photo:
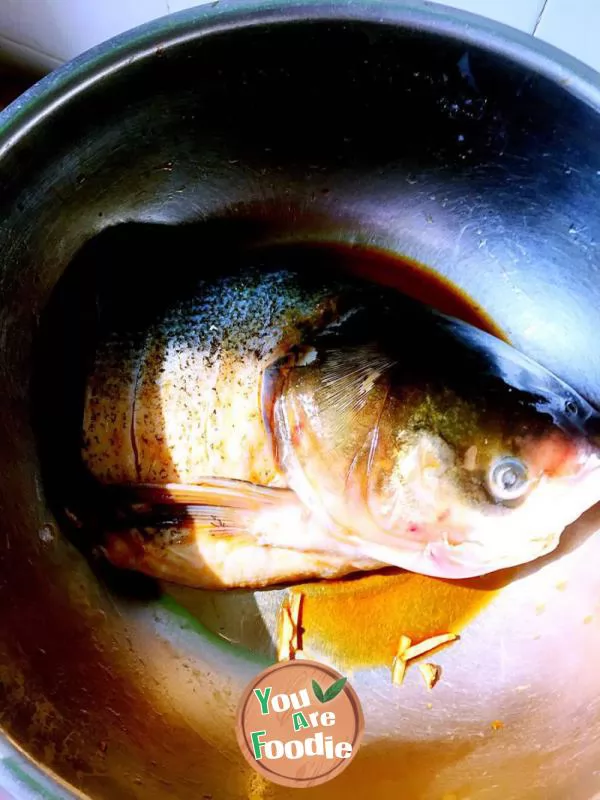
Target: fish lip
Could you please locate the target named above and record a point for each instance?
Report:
(590, 430)
(455, 567)
(590, 462)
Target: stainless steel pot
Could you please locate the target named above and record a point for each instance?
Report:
(460, 143)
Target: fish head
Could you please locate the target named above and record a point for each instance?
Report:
(453, 469)
(462, 502)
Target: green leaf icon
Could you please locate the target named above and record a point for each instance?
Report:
(335, 689)
(318, 692)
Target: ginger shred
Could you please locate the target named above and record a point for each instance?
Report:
(399, 662)
(289, 632)
(406, 652)
(428, 645)
(431, 674)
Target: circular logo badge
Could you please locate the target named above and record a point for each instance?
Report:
(299, 723)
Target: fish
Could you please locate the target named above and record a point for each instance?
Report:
(274, 425)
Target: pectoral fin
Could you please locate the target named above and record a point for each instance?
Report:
(209, 492)
(224, 534)
(210, 548)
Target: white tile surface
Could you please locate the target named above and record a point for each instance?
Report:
(28, 57)
(65, 28)
(574, 26)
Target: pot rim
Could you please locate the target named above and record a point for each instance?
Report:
(76, 76)
(37, 105)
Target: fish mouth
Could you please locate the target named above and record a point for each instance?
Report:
(589, 467)
(487, 548)
(591, 431)
(465, 565)
(437, 560)
(472, 558)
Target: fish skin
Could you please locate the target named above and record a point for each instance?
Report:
(331, 388)
(179, 401)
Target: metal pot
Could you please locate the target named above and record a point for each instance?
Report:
(454, 141)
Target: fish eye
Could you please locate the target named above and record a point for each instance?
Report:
(571, 408)
(508, 478)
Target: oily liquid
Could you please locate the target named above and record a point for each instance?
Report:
(357, 621)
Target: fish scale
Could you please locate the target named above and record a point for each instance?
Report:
(188, 388)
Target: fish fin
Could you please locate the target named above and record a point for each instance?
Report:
(151, 521)
(197, 558)
(219, 520)
(221, 492)
(287, 524)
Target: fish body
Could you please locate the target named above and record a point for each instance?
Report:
(276, 425)
(179, 401)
